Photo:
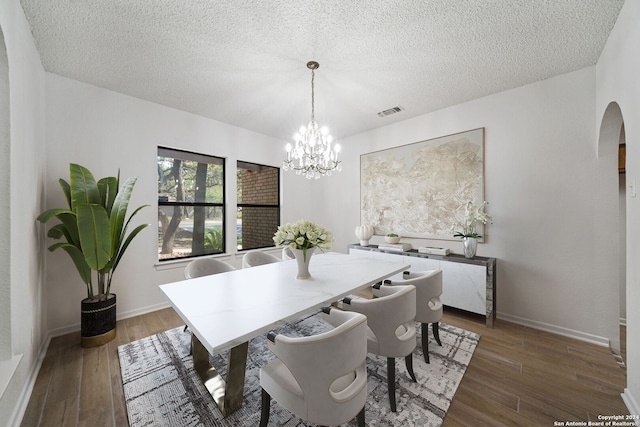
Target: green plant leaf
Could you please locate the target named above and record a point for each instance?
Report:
(84, 189)
(45, 216)
(120, 248)
(70, 223)
(125, 245)
(57, 231)
(78, 260)
(108, 188)
(119, 214)
(93, 227)
(66, 189)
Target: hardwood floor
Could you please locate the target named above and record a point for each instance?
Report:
(517, 377)
(520, 376)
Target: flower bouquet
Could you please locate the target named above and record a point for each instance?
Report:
(303, 236)
(472, 216)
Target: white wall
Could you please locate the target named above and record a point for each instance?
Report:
(104, 131)
(540, 181)
(26, 86)
(617, 81)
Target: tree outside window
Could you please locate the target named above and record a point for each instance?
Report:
(190, 204)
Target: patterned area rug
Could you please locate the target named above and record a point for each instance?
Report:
(162, 389)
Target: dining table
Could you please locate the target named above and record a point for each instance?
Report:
(224, 311)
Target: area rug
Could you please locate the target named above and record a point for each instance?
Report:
(161, 387)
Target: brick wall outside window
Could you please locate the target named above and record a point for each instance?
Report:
(259, 187)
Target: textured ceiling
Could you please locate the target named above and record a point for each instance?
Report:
(244, 62)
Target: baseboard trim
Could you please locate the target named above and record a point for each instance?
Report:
(120, 316)
(25, 396)
(27, 390)
(631, 403)
(143, 310)
(558, 330)
(7, 369)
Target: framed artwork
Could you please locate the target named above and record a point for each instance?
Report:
(421, 189)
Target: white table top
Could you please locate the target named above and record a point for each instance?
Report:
(224, 310)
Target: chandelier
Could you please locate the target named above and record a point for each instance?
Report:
(312, 154)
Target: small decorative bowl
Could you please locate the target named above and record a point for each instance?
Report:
(392, 240)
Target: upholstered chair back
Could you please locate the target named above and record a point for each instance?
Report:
(390, 319)
(255, 258)
(428, 291)
(428, 305)
(206, 267)
(287, 253)
(321, 378)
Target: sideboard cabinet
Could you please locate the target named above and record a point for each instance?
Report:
(467, 284)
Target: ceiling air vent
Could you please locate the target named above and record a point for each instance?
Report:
(390, 111)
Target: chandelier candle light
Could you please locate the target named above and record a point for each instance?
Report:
(312, 154)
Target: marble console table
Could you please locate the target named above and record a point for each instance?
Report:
(467, 284)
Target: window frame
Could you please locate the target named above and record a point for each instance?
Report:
(201, 158)
(253, 165)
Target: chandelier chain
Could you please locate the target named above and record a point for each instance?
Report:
(313, 76)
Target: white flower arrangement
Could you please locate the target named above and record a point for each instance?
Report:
(303, 235)
(472, 216)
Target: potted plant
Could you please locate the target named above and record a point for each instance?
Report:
(392, 238)
(467, 228)
(94, 229)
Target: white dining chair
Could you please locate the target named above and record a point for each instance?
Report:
(322, 378)
(255, 258)
(428, 305)
(205, 267)
(391, 328)
(287, 253)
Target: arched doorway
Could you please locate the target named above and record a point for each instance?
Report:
(612, 136)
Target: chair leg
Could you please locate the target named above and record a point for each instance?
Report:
(391, 382)
(360, 418)
(436, 332)
(425, 341)
(408, 361)
(264, 411)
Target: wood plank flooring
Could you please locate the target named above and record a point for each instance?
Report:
(517, 377)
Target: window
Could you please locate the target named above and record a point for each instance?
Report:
(258, 205)
(190, 204)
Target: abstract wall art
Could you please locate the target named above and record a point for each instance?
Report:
(420, 189)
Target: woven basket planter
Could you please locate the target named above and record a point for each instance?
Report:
(98, 321)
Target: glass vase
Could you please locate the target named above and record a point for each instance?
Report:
(470, 246)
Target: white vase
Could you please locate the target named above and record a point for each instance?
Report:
(470, 246)
(364, 233)
(303, 262)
